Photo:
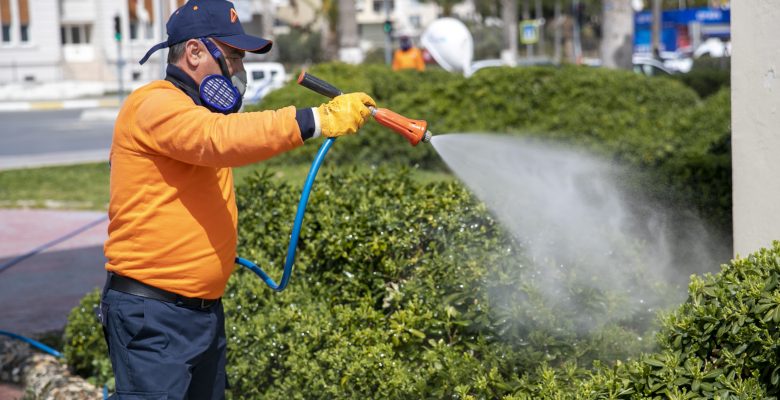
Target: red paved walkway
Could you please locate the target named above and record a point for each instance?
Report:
(10, 392)
(37, 294)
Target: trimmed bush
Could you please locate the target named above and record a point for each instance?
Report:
(410, 291)
(708, 75)
(655, 125)
(721, 344)
(701, 171)
(629, 117)
(400, 291)
(85, 347)
(403, 291)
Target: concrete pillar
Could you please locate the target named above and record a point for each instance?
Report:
(755, 99)
(617, 43)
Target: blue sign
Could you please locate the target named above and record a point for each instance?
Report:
(674, 27)
(529, 32)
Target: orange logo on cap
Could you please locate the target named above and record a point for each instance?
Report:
(233, 15)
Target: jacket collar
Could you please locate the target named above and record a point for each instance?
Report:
(183, 81)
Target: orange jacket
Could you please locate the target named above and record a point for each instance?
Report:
(408, 59)
(172, 209)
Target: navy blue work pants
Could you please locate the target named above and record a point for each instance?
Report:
(163, 351)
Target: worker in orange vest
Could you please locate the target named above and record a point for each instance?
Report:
(173, 218)
(408, 56)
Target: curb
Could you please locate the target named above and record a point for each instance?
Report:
(57, 105)
(53, 159)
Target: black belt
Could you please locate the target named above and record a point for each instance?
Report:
(131, 286)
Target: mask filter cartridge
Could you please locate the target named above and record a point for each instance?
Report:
(218, 92)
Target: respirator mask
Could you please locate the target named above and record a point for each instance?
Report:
(221, 93)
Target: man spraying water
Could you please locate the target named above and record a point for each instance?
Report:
(172, 231)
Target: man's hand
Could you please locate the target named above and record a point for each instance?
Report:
(345, 114)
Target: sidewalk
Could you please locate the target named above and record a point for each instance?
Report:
(17, 106)
(38, 293)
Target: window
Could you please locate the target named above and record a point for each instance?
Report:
(9, 25)
(141, 19)
(133, 30)
(5, 18)
(258, 75)
(24, 21)
(76, 34)
(379, 5)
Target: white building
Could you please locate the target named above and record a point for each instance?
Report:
(29, 50)
(409, 17)
(74, 40)
(56, 40)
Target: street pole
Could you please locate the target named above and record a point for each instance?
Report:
(119, 61)
(558, 34)
(529, 48)
(576, 36)
(656, 29)
(542, 23)
(119, 66)
(388, 35)
(163, 61)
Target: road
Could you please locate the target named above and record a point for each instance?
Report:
(35, 138)
(38, 293)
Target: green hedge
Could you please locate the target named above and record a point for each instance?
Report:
(700, 173)
(400, 291)
(618, 113)
(657, 125)
(722, 343)
(408, 291)
(708, 75)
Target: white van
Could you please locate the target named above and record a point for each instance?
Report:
(263, 77)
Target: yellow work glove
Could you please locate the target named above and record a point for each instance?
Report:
(345, 114)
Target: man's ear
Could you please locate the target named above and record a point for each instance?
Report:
(193, 53)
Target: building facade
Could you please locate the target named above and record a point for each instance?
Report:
(408, 17)
(45, 41)
(75, 40)
(29, 51)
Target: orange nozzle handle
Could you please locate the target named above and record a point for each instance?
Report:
(412, 129)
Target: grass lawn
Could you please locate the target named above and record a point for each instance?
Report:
(85, 186)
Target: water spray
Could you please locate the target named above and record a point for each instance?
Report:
(415, 131)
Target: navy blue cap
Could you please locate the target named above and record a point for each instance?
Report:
(216, 19)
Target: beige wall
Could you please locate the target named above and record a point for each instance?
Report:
(755, 100)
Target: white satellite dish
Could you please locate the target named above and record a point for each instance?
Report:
(450, 43)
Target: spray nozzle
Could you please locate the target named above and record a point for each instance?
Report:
(414, 130)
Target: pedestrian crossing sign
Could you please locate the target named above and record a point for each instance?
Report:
(529, 32)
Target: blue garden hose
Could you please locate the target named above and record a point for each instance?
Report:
(34, 343)
(288, 265)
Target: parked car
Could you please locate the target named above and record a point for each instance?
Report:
(262, 78)
(669, 62)
(649, 66)
(713, 47)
